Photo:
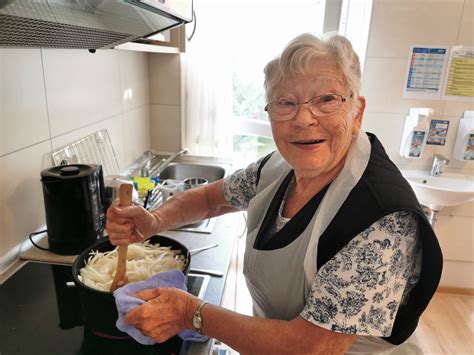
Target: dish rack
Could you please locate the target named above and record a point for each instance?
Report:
(95, 148)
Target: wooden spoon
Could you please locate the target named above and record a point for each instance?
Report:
(120, 278)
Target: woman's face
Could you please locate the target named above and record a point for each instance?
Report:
(316, 146)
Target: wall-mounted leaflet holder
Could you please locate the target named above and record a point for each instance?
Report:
(464, 147)
(415, 132)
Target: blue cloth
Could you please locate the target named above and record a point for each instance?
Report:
(125, 303)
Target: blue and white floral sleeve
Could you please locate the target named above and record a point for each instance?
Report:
(360, 289)
(241, 186)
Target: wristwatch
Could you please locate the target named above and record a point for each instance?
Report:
(197, 317)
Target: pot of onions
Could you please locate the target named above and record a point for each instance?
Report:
(94, 269)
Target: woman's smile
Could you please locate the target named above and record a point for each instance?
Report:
(307, 144)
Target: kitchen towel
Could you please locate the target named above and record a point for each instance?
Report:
(125, 302)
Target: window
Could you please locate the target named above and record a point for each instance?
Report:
(269, 26)
(225, 97)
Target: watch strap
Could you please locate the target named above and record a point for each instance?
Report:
(198, 316)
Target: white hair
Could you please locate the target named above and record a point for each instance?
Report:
(301, 53)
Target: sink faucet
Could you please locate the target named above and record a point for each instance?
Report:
(437, 162)
(165, 162)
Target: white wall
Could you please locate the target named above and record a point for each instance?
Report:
(395, 26)
(166, 101)
(49, 98)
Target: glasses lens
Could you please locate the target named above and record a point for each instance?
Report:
(325, 104)
(282, 110)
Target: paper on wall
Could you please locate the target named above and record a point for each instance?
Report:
(460, 77)
(425, 72)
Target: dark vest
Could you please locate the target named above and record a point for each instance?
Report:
(381, 190)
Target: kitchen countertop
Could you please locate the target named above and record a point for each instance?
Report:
(29, 314)
(30, 308)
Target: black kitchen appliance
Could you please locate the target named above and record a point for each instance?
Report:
(74, 206)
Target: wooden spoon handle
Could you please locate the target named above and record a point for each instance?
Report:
(120, 278)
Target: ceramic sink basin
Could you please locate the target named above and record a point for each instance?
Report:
(436, 192)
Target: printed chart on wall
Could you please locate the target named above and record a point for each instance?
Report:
(460, 78)
(425, 72)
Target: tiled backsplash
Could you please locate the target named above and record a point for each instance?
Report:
(49, 98)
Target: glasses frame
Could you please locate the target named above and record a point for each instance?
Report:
(343, 100)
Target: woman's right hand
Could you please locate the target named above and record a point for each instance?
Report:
(130, 224)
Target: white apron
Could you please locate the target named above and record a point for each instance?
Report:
(279, 280)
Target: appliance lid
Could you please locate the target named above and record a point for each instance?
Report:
(65, 172)
(87, 24)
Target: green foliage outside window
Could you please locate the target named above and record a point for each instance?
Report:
(249, 99)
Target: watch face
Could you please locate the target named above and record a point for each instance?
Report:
(197, 322)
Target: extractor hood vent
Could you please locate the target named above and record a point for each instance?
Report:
(89, 24)
(25, 32)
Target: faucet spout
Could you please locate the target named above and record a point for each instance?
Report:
(165, 162)
(438, 161)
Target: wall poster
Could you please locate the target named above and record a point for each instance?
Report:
(460, 77)
(425, 72)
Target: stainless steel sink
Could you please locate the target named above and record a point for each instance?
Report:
(182, 171)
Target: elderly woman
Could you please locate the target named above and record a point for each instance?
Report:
(339, 257)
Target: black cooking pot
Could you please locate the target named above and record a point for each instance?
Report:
(98, 307)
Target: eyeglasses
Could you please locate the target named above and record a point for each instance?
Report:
(319, 106)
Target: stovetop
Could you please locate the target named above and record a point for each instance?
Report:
(33, 314)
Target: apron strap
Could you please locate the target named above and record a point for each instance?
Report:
(355, 165)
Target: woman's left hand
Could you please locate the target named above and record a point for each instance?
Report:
(165, 314)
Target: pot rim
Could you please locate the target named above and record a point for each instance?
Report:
(86, 252)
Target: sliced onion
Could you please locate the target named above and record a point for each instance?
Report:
(143, 261)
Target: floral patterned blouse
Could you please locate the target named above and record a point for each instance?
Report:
(360, 289)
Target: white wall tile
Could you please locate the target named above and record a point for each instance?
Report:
(388, 128)
(136, 134)
(165, 79)
(466, 30)
(112, 125)
(134, 79)
(21, 196)
(383, 84)
(82, 88)
(468, 170)
(81, 93)
(165, 127)
(457, 108)
(396, 25)
(457, 274)
(464, 210)
(456, 237)
(23, 114)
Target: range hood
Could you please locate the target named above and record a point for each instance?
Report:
(88, 24)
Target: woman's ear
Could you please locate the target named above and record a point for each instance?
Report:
(359, 115)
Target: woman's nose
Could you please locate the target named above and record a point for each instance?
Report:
(304, 117)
